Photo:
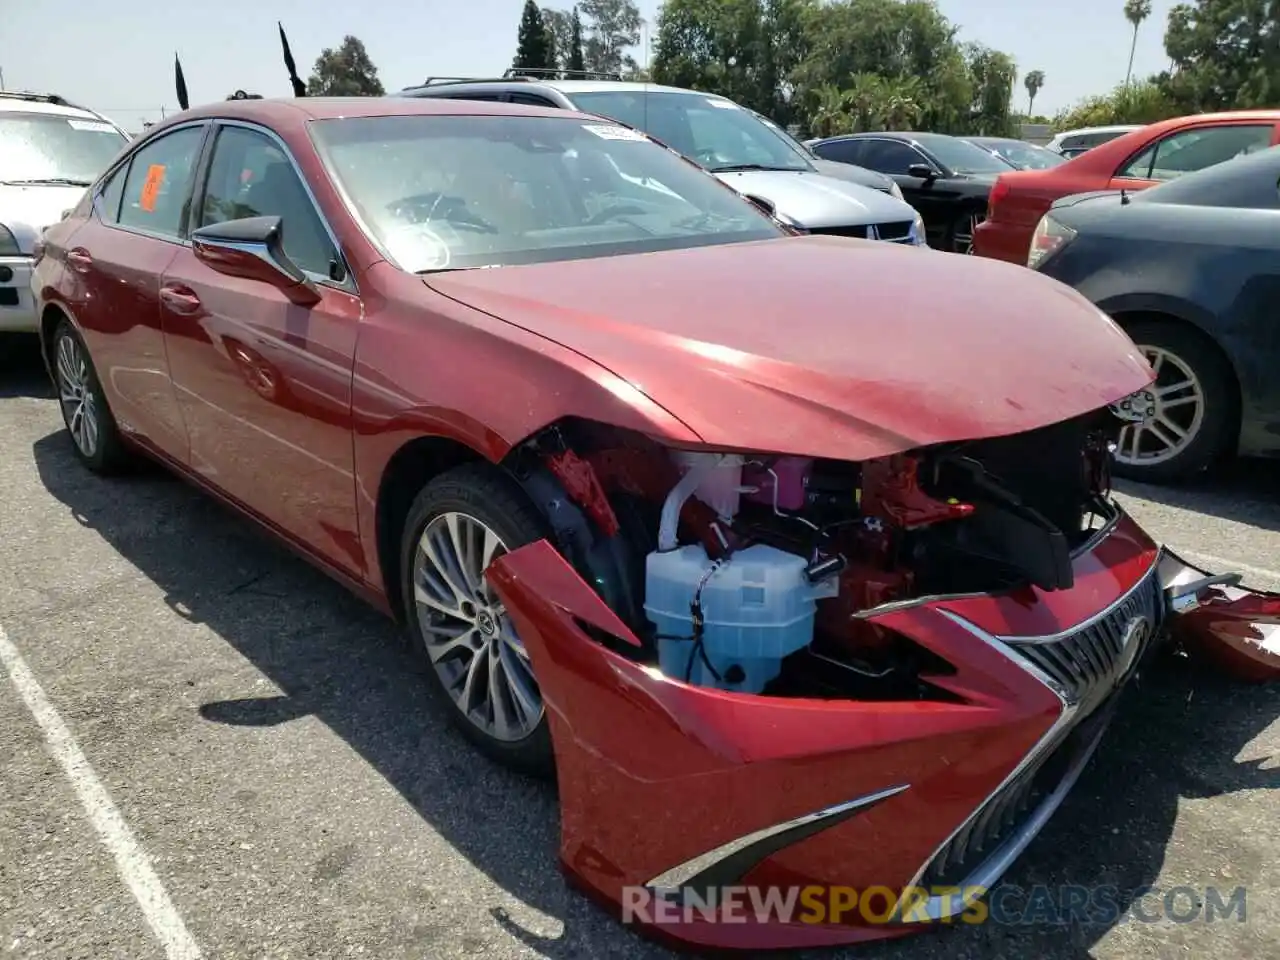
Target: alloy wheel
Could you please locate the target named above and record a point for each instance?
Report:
(962, 235)
(77, 398)
(1165, 417)
(468, 634)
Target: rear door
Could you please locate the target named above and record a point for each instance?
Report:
(136, 231)
(265, 383)
(1189, 149)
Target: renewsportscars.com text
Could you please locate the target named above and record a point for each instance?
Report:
(1007, 905)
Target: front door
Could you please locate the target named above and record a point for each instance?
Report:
(264, 383)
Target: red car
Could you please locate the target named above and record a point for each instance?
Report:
(1139, 159)
(792, 576)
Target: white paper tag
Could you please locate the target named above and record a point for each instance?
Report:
(610, 132)
(724, 104)
(97, 126)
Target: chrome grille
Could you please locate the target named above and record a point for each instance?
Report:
(898, 232)
(1088, 661)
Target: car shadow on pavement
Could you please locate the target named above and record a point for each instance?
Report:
(1244, 490)
(342, 663)
(22, 372)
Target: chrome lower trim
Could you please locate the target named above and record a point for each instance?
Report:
(728, 863)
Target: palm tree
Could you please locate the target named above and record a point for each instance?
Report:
(1033, 81)
(1135, 11)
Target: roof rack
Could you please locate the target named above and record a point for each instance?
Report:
(548, 73)
(50, 98)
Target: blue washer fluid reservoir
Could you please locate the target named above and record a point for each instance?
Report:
(757, 608)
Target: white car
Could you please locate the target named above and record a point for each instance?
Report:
(1072, 143)
(50, 151)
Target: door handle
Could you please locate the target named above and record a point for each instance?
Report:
(180, 299)
(79, 259)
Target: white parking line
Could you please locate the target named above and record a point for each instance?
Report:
(131, 861)
(1223, 565)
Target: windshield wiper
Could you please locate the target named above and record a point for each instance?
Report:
(746, 167)
(51, 181)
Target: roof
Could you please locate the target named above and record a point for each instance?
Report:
(567, 87)
(41, 103)
(293, 110)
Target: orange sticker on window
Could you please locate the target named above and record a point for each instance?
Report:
(151, 187)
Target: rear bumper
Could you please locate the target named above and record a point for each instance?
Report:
(18, 312)
(1003, 241)
(695, 814)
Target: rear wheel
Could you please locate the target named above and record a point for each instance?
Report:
(94, 436)
(459, 524)
(1183, 421)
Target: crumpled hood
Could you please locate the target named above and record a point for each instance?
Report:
(824, 346)
(27, 210)
(813, 201)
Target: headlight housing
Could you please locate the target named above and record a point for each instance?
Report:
(8, 243)
(917, 232)
(1050, 237)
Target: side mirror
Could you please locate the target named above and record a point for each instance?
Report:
(253, 248)
(763, 204)
(923, 171)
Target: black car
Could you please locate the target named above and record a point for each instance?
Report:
(945, 178)
(1191, 271)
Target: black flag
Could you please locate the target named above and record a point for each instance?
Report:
(299, 88)
(180, 82)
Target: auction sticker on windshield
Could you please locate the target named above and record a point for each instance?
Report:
(97, 126)
(723, 104)
(610, 132)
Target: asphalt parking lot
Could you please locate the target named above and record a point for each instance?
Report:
(274, 783)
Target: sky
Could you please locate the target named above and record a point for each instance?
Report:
(121, 63)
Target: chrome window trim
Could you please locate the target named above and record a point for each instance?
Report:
(348, 285)
(126, 165)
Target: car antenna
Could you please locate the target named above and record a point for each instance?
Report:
(1124, 197)
(180, 83)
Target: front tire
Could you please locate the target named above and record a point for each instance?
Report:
(1189, 409)
(94, 435)
(459, 524)
(959, 236)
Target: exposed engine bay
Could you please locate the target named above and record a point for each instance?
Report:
(757, 573)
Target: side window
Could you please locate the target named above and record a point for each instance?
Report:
(889, 156)
(251, 176)
(1189, 150)
(841, 151)
(157, 189)
(108, 205)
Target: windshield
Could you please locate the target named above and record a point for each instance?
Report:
(961, 156)
(715, 132)
(1028, 156)
(454, 192)
(43, 147)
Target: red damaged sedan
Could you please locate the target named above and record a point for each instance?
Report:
(793, 558)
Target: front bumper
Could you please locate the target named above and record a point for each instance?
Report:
(673, 795)
(17, 304)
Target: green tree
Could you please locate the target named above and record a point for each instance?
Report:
(610, 28)
(344, 72)
(535, 45)
(1034, 82)
(1135, 11)
(1225, 55)
(993, 75)
(1141, 102)
(575, 60)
